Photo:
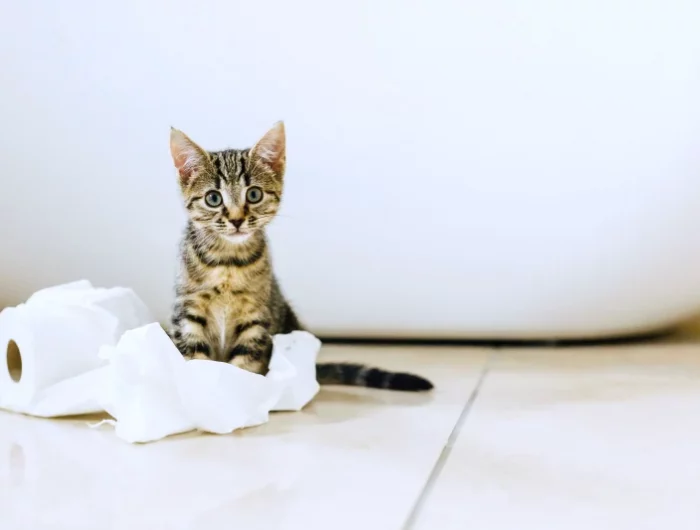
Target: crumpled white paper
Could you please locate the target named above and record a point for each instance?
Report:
(88, 350)
(151, 391)
(57, 334)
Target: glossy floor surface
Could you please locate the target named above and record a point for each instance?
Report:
(601, 437)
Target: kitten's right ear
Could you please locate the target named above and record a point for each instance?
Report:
(271, 149)
(188, 157)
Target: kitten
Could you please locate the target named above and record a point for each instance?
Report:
(228, 302)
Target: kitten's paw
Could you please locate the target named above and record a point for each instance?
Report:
(253, 358)
(250, 365)
(194, 350)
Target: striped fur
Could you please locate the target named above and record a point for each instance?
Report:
(228, 302)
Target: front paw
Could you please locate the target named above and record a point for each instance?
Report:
(196, 355)
(253, 357)
(196, 350)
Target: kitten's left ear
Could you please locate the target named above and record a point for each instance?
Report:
(270, 150)
(188, 157)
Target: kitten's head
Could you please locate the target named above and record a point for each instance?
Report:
(231, 193)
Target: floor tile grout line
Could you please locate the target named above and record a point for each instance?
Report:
(447, 449)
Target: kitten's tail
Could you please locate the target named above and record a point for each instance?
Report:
(351, 374)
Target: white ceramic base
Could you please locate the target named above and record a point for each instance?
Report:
(455, 169)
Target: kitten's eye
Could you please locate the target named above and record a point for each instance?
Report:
(254, 194)
(213, 199)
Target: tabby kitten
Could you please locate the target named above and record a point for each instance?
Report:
(228, 302)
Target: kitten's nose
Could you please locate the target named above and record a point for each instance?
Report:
(237, 222)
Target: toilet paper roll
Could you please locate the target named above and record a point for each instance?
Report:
(49, 347)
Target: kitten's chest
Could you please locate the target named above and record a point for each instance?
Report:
(225, 280)
(223, 313)
(231, 296)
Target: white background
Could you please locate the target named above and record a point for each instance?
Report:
(456, 168)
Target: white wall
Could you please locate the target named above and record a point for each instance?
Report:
(456, 168)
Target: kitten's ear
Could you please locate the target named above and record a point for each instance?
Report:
(270, 150)
(187, 155)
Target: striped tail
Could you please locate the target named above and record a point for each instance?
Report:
(350, 374)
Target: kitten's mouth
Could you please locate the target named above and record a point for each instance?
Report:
(236, 237)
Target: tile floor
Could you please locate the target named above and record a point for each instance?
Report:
(574, 438)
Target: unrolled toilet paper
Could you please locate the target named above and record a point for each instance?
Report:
(51, 344)
(75, 349)
(152, 392)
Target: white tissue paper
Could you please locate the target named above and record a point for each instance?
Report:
(152, 392)
(52, 342)
(89, 350)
